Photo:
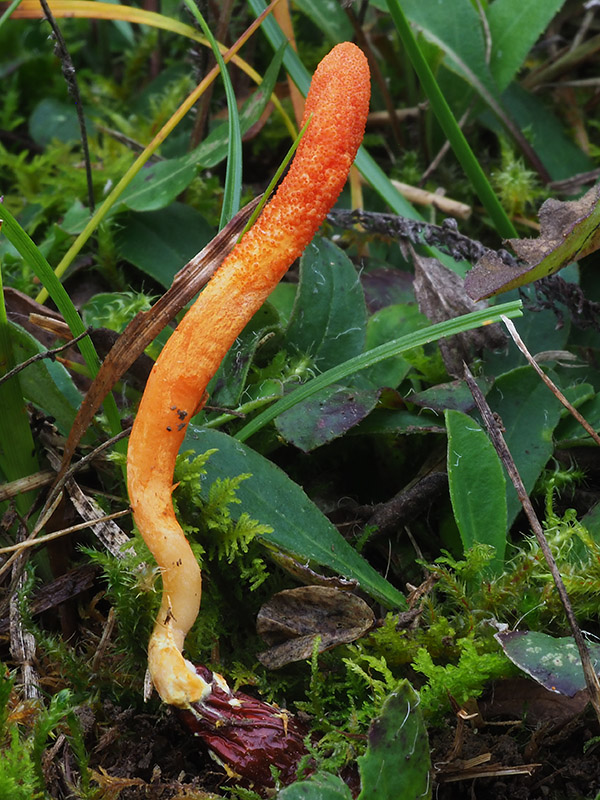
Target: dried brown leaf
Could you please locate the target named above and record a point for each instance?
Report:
(293, 618)
(441, 295)
(568, 231)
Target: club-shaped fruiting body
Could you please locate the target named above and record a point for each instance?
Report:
(337, 106)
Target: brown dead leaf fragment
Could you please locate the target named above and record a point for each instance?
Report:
(568, 231)
(441, 295)
(293, 618)
(523, 699)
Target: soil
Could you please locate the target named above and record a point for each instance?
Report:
(151, 756)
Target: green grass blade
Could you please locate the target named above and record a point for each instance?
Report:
(26, 247)
(394, 348)
(17, 448)
(450, 126)
(275, 179)
(8, 11)
(233, 177)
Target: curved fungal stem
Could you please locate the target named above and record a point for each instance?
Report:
(337, 105)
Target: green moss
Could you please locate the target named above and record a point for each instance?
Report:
(462, 681)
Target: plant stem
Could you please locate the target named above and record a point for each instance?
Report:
(494, 431)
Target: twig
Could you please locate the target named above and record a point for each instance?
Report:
(493, 428)
(57, 488)
(40, 356)
(550, 384)
(71, 79)
(423, 197)
(445, 236)
(27, 484)
(20, 546)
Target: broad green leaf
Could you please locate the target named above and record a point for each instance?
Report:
(45, 383)
(477, 486)
(383, 326)
(161, 242)
(458, 33)
(226, 387)
(326, 416)
(529, 414)
(515, 26)
(328, 325)
(53, 119)
(282, 298)
(17, 448)
(272, 498)
(453, 395)
(545, 132)
(329, 17)
(385, 422)
(396, 765)
(329, 317)
(158, 185)
(555, 663)
(570, 431)
(321, 786)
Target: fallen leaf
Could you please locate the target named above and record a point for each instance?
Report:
(568, 231)
(555, 663)
(293, 618)
(441, 295)
(516, 698)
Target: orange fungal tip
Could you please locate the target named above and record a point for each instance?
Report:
(337, 105)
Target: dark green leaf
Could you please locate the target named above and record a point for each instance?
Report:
(458, 34)
(299, 528)
(529, 414)
(328, 324)
(383, 421)
(321, 786)
(329, 17)
(569, 430)
(383, 326)
(396, 765)
(161, 242)
(455, 395)
(17, 448)
(329, 317)
(45, 383)
(52, 119)
(477, 486)
(515, 27)
(555, 663)
(327, 415)
(158, 185)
